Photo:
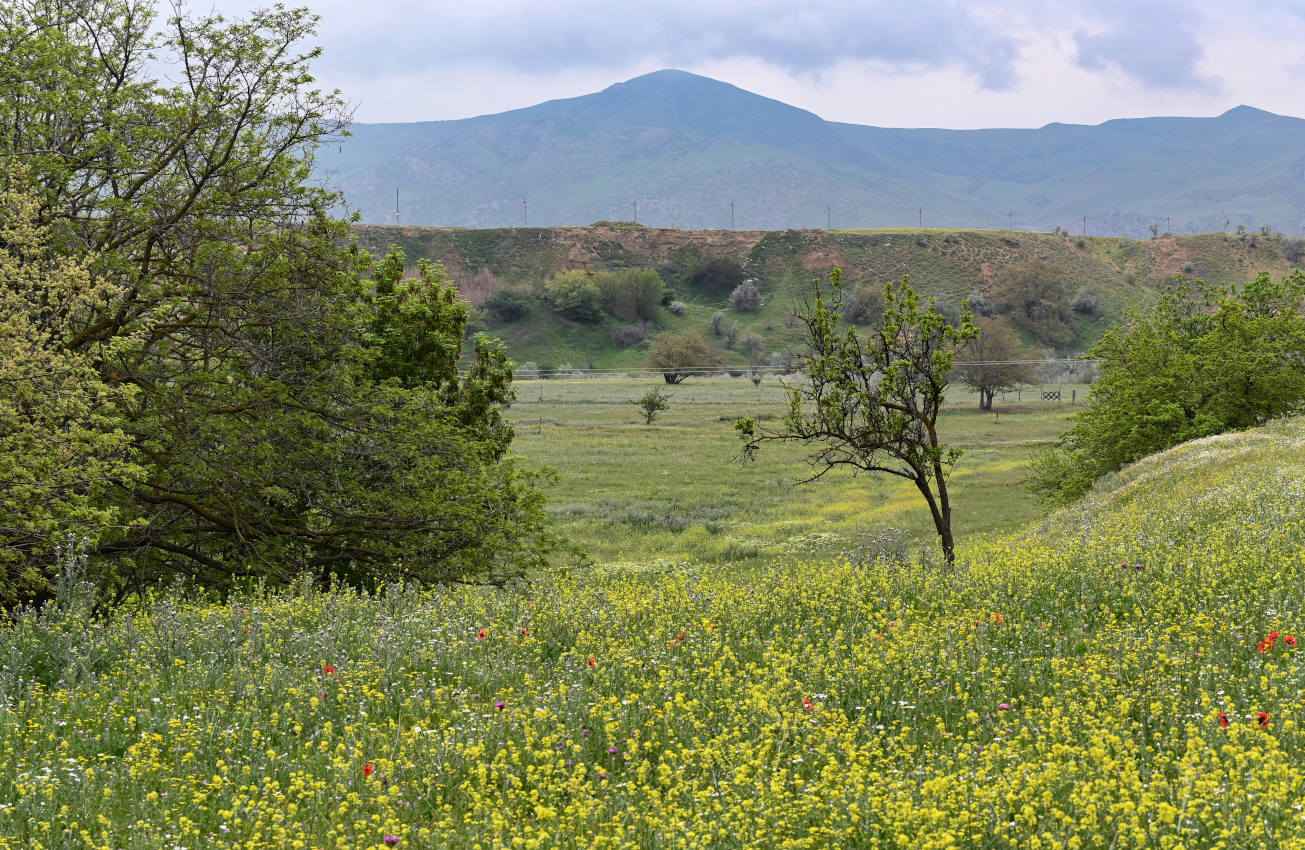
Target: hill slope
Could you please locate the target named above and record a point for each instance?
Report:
(685, 147)
(952, 265)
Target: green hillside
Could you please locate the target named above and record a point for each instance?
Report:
(952, 265)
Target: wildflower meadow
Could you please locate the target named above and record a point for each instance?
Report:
(1125, 673)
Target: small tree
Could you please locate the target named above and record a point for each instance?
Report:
(677, 356)
(872, 404)
(986, 371)
(653, 403)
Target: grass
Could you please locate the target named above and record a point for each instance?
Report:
(1122, 673)
(633, 492)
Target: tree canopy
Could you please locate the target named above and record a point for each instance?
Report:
(1205, 360)
(677, 356)
(280, 404)
(988, 363)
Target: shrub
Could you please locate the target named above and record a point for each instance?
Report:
(982, 305)
(628, 335)
(863, 304)
(575, 295)
(718, 323)
(1087, 301)
(1293, 250)
(747, 296)
(632, 294)
(509, 305)
(677, 307)
(718, 275)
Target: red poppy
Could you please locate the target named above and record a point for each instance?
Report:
(482, 634)
(1263, 646)
(680, 636)
(368, 769)
(328, 670)
(1290, 640)
(1223, 720)
(1262, 717)
(525, 632)
(591, 661)
(806, 703)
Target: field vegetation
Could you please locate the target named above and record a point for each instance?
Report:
(1122, 673)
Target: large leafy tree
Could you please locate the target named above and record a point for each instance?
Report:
(1205, 360)
(872, 403)
(290, 407)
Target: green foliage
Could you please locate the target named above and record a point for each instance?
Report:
(873, 404)
(1204, 361)
(653, 403)
(1035, 294)
(995, 342)
(632, 294)
(576, 296)
(717, 274)
(677, 356)
(268, 405)
(509, 305)
(62, 450)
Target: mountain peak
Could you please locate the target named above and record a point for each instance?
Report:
(1244, 112)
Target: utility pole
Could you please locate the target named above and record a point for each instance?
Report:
(731, 215)
(922, 218)
(829, 216)
(525, 213)
(636, 212)
(1085, 224)
(1010, 218)
(1167, 229)
(396, 205)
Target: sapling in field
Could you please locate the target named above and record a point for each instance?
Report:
(653, 403)
(872, 403)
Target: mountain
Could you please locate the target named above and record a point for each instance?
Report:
(683, 147)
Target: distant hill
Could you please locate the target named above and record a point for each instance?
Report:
(684, 146)
(952, 265)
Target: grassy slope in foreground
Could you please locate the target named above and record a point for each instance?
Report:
(1047, 694)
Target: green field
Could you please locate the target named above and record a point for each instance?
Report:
(734, 670)
(636, 493)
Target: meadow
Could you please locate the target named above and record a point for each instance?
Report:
(1122, 673)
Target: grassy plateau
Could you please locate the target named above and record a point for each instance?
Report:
(745, 664)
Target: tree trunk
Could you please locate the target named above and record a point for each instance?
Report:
(985, 398)
(942, 515)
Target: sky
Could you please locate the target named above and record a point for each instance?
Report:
(926, 63)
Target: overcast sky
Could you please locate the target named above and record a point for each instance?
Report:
(927, 63)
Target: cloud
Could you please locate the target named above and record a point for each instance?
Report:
(1155, 43)
(568, 35)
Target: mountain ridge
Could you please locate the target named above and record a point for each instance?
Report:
(689, 149)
